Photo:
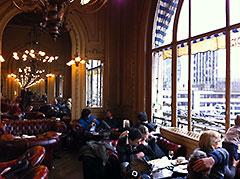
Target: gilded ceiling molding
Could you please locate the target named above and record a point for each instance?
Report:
(95, 54)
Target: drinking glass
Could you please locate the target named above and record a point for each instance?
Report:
(170, 154)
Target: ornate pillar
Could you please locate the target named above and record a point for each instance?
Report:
(78, 90)
(42, 88)
(50, 88)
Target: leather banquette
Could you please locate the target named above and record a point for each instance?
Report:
(44, 132)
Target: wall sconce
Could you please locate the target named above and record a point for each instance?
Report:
(12, 75)
(76, 61)
(50, 75)
(1, 58)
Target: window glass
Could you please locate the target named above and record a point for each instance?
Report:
(235, 75)
(207, 16)
(208, 90)
(161, 93)
(94, 83)
(234, 11)
(183, 24)
(182, 91)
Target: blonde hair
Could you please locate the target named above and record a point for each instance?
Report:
(208, 140)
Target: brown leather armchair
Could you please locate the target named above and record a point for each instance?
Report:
(38, 172)
(34, 156)
(77, 133)
(12, 142)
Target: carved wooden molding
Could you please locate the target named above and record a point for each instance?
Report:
(185, 138)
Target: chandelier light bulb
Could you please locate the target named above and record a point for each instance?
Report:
(77, 59)
(32, 55)
(26, 51)
(15, 56)
(82, 61)
(42, 53)
(83, 2)
(1, 58)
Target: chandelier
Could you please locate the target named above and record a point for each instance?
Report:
(34, 55)
(53, 12)
(31, 54)
(29, 76)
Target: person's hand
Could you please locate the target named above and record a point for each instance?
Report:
(235, 162)
(140, 154)
(94, 120)
(91, 125)
(204, 164)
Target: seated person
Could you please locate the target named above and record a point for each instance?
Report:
(148, 145)
(218, 158)
(87, 120)
(198, 154)
(126, 148)
(143, 120)
(232, 140)
(110, 122)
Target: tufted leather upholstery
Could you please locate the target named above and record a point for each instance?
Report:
(34, 155)
(31, 127)
(76, 127)
(45, 131)
(38, 172)
(167, 145)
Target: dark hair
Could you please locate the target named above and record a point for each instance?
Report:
(198, 154)
(134, 133)
(85, 113)
(142, 116)
(108, 110)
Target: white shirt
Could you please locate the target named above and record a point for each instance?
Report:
(233, 135)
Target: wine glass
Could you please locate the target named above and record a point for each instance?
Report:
(170, 154)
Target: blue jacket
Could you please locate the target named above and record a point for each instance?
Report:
(85, 122)
(221, 168)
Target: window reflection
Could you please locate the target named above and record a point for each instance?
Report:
(94, 83)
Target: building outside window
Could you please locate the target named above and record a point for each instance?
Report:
(196, 75)
(94, 83)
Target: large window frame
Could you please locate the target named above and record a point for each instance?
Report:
(174, 44)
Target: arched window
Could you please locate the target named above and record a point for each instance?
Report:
(196, 80)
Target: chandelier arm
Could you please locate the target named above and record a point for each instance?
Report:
(17, 6)
(90, 12)
(91, 3)
(104, 2)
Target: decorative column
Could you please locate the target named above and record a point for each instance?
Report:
(50, 87)
(10, 87)
(42, 88)
(78, 90)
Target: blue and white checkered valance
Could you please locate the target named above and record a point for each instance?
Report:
(165, 11)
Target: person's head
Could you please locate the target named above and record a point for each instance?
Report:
(109, 113)
(134, 136)
(237, 120)
(209, 140)
(145, 132)
(55, 101)
(194, 157)
(86, 113)
(142, 116)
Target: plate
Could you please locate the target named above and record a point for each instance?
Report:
(181, 169)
